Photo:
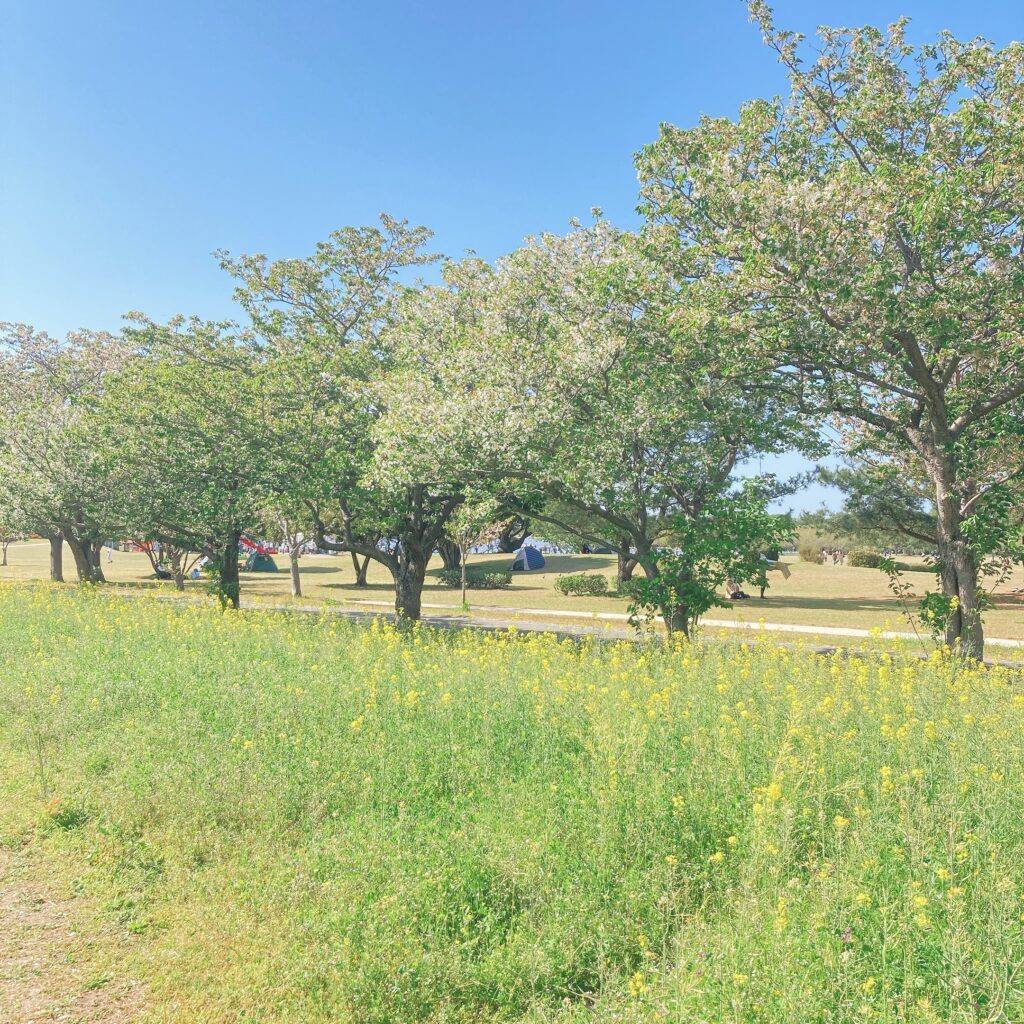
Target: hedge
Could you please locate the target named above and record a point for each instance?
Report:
(864, 559)
(478, 579)
(583, 585)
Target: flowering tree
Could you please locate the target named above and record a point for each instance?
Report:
(326, 317)
(53, 470)
(574, 370)
(190, 426)
(866, 231)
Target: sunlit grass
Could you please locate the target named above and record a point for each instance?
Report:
(815, 595)
(305, 820)
(819, 596)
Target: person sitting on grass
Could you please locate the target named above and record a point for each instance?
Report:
(734, 592)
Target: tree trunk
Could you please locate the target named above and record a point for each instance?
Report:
(626, 563)
(56, 557)
(420, 532)
(677, 617)
(94, 551)
(174, 556)
(450, 554)
(5, 544)
(151, 555)
(409, 576)
(959, 574)
(87, 555)
(81, 555)
(677, 620)
(462, 566)
(230, 587)
(360, 569)
(959, 568)
(512, 536)
(293, 562)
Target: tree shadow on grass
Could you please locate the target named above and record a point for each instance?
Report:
(578, 563)
(387, 588)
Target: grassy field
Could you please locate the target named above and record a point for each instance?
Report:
(302, 820)
(814, 595)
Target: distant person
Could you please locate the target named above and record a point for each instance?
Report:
(766, 564)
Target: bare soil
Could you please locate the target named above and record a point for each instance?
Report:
(56, 962)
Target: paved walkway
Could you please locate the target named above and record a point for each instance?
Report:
(514, 614)
(492, 618)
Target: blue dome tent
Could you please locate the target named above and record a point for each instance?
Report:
(527, 559)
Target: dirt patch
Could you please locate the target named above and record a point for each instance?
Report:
(56, 962)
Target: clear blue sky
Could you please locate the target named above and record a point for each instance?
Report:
(136, 138)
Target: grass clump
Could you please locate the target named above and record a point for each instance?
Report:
(813, 552)
(306, 820)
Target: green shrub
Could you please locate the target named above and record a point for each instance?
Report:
(582, 585)
(476, 579)
(811, 553)
(864, 559)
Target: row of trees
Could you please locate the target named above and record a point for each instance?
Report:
(849, 255)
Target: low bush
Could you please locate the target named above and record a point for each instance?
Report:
(811, 553)
(864, 559)
(476, 579)
(582, 585)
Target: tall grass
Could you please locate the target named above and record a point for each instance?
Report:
(310, 821)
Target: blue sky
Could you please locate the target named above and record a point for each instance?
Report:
(136, 138)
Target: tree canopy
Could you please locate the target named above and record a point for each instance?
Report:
(841, 260)
(865, 231)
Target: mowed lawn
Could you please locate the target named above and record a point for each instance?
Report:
(305, 820)
(814, 595)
